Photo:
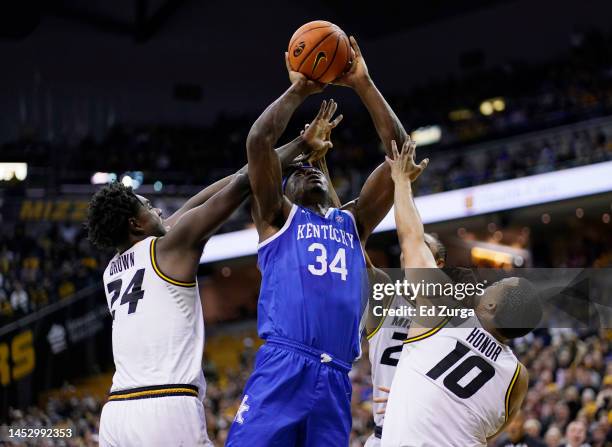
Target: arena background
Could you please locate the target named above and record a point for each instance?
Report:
(511, 100)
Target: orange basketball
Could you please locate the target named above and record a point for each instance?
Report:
(320, 51)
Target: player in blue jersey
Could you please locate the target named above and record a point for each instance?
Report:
(313, 277)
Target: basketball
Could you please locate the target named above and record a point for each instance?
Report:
(320, 51)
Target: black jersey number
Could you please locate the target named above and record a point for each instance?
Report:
(385, 358)
(451, 381)
(132, 294)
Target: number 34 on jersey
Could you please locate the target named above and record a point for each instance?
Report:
(321, 265)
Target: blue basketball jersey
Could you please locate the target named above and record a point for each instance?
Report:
(313, 278)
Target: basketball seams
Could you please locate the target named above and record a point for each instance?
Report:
(339, 37)
(306, 31)
(314, 48)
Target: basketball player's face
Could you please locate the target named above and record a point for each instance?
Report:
(150, 219)
(305, 182)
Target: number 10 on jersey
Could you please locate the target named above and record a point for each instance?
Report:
(320, 266)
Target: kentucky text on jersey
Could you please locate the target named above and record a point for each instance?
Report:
(307, 231)
(485, 344)
(123, 262)
(313, 278)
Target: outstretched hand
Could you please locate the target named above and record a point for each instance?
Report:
(382, 400)
(317, 134)
(403, 165)
(305, 85)
(358, 71)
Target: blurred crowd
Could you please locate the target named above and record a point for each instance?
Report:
(575, 86)
(43, 264)
(569, 402)
(80, 415)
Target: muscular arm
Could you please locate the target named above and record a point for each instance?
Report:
(376, 196)
(179, 251)
(517, 396)
(419, 263)
(270, 207)
(388, 126)
(410, 230)
(286, 154)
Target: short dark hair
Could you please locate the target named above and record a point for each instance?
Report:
(519, 309)
(107, 216)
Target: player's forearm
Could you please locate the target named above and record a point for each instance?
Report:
(388, 126)
(268, 128)
(286, 155)
(209, 216)
(410, 230)
(199, 199)
(288, 152)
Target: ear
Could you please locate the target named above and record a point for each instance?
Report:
(135, 226)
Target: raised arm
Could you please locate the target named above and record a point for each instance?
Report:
(376, 196)
(418, 261)
(177, 253)
(410, 230)
(270, 207)
(286, 155)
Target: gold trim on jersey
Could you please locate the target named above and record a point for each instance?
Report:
(510, 388)
(429, 333)
(382, 320)
(161, 275)
(154, 391)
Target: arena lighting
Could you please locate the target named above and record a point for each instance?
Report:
(486, 108)
(132, 179)
(499, 105)
(100, 178)
(426, 135)
(460, 115)
(8, 171)
(489, 106)
(127, 181)
(460, 203)
(487, 254)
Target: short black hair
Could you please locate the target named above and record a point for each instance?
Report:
(519, 309)
(107, 216)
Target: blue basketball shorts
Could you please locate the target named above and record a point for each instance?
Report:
(296, 396)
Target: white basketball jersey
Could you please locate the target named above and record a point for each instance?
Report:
(451, 388)
(158, 326)
(386, 343)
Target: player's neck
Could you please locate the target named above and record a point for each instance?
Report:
(317, 208)
(492, 330)
(314, 204)
(133, 240)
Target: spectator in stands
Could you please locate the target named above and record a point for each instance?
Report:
(19, 299)
(575, 435)
(553, 437)
(516, 435)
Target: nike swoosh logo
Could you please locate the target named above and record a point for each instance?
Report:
(320, 56)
